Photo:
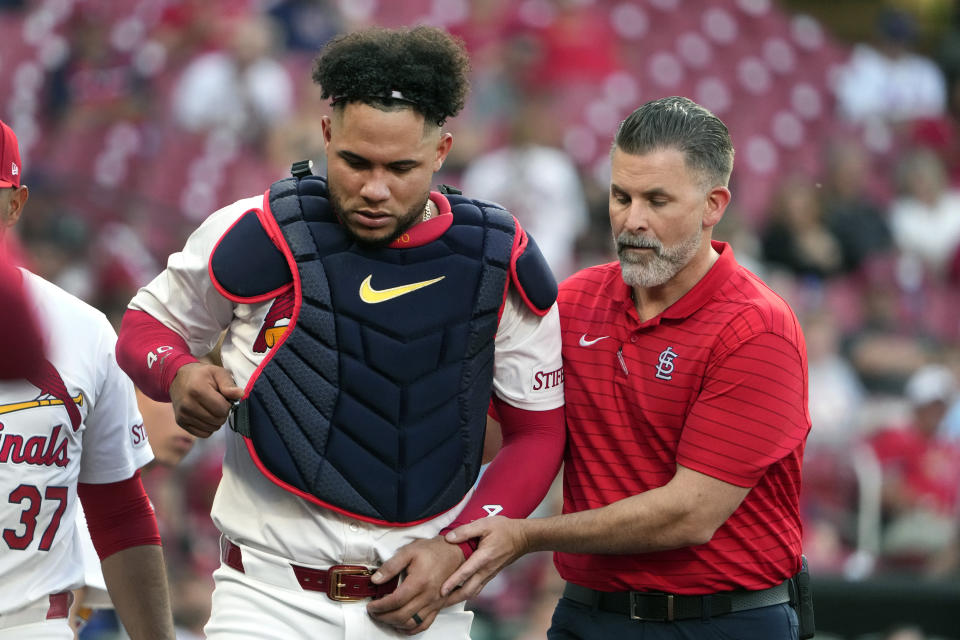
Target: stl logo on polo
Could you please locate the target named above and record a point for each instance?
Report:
(665, 364)
(374, 296)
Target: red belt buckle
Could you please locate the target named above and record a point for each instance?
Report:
(335, 585)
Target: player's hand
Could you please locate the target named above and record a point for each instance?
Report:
(426, 563)
(501, 542)
(202, 395)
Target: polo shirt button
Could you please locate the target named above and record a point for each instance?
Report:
(633, 338)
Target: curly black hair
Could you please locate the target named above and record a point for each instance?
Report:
(426, 65)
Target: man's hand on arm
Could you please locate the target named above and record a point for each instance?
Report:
(202, 396)
(426, 564)
(502, 540)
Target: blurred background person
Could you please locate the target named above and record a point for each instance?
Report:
(855, 216)
(921, 474)
(242, 88)
(795, 237)
(888, 78)
(925, 216)
(537, 181)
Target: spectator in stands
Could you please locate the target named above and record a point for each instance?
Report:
(502, 51)
(121, 263)
(948, 57)
(883, 348)
(95, 85)
(735, 230)
(187, 27)
(58, 250)
(828, 500)
(575, 45)
(243, 89)
(925, 218)
(836, 392)
(307, 24)
(299, 136)
(537, 181)
(953, 269)
(951, 423)
(796, 237)
(950, 427)
(856, 220)
(889, 80)
(921, 474)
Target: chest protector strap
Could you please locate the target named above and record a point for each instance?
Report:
(373, 401)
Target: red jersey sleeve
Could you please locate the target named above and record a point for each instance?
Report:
(119, 515)
(151, 353)
(519, 477)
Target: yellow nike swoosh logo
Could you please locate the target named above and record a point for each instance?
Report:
(372, 296)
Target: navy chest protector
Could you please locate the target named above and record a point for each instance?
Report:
(373, 400)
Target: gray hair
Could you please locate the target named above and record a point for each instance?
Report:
(682, 124)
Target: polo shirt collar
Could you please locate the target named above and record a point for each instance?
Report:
(704, 290)
(700, 294)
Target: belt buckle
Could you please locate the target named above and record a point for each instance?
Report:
(335, 586)
(635, 596)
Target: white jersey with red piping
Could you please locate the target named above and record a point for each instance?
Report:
(75, 422)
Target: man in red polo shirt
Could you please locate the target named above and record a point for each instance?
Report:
(686, 403)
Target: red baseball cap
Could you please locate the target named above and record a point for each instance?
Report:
(9, 157)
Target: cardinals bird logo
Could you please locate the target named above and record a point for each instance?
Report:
(276, 322)
(52, 392)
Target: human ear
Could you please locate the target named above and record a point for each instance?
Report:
(716, 204)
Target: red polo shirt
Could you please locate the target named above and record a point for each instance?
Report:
(717, 383)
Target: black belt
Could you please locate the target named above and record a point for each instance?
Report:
(667, 607)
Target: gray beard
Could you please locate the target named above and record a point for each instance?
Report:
(659, 269)
(404, 222)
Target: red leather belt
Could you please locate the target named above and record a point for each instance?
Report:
(343, 582)
(58, 606)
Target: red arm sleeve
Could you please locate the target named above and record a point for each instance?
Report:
(151, 353)
(20, 339)
(519, 477)
(119, 515)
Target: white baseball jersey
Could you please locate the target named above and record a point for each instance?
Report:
(249, 508)
(95, 596)
(45, 451)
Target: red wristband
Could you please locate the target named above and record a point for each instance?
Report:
(467, 546)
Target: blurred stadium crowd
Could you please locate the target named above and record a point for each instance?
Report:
(137, 118)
